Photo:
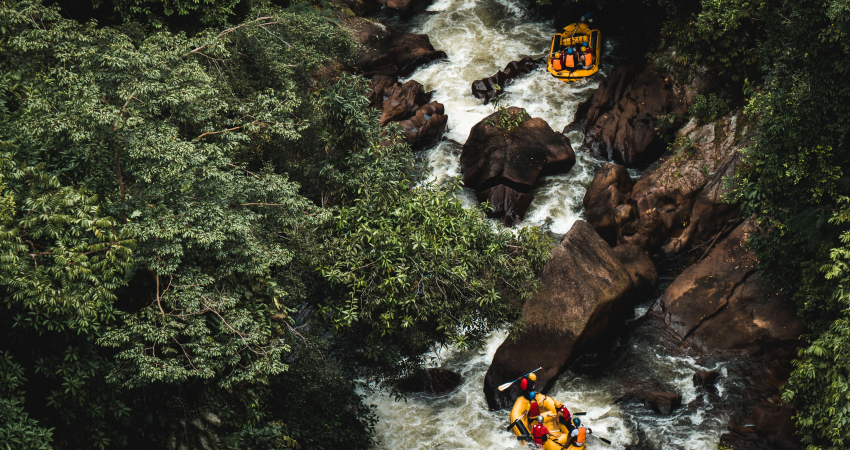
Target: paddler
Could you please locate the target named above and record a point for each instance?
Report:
(533, 407)
(564, 416)
(579, 435)
(539, 431)
(526, 385)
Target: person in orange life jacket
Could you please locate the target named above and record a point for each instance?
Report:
(539, 431)
(570, 62)
(587, 59)
(564, 415)
(579, 434)
(557, 61)
(533, 407)
(526, 385)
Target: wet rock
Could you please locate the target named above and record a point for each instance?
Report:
(608, 191)
(721, 304)
(585, 289)
(706, 381)
(410, 51)
(426, 127)
(678, 201)
(659, 401)
(623, 114)
(380, 83)
(432, 381)
(640, 267)
(508, 204)
(390, 54)
(486, 88)
(515, 158)
(775, 422)
(405, 8)
(400, 101)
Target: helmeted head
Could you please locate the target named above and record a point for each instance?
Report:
(532, 377)
(540, 418)
(569, 52)
(532, 394)
(556, 56)
(557, 404)
(577, 422)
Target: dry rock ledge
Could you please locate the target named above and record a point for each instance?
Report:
(585, 288)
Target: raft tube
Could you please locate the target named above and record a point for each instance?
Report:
(558, 433)
(575, 34)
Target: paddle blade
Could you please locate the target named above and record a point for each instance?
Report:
(510, 425)
(579, 414)
(604, 440)
(506, 385)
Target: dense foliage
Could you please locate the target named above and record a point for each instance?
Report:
(792, 59)
(202, 241)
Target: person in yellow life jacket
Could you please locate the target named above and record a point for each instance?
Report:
(587, 59)
(579, 435)
(533, 407)
(539, 431)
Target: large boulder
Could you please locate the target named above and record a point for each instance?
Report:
(485, 88)
(622, 116)
(640, 267)
(405, 8)
(678, 201)
(427, 125)
(432, 381)
(775, 422)
(606, 201)
(514, 156)
(585, 289)
(390, 54)
(659, 401)
(721, 304)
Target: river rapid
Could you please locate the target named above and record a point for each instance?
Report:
(480, 38)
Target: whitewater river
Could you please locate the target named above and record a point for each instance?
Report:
(480, 38)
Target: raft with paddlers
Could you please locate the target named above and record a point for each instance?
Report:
(569, 44)
(540, 412)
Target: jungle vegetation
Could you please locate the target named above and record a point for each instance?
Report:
(202, 243)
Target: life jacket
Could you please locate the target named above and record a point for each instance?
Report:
(537, 432)
(533, 410)
(557, 65)
(566, 412)
(588, 59)
(523, 384)
(570, 61)
(582, 436)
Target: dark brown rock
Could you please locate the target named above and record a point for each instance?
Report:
(486, 88)
(721, 304)
(775, 421)
(517, 158)
(623, 113)
(400, 101)
(432, 381)
(678, 201)
(658, 401)
(706, 381)
(608, 190)
(640, 267)
(410, 51)
(405, 8)
(585, 289)
(508, 204)
(426, 127)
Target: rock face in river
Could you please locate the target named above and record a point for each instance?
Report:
(422, 120)
(623, 113)
(486, 88)
(391, 54)
(721, 304)
(678, 200)
(584, 289)
(513, 157)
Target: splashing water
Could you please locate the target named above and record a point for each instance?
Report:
(480, 38)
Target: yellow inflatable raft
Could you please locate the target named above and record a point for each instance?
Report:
(558, 432)
(575, 34)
